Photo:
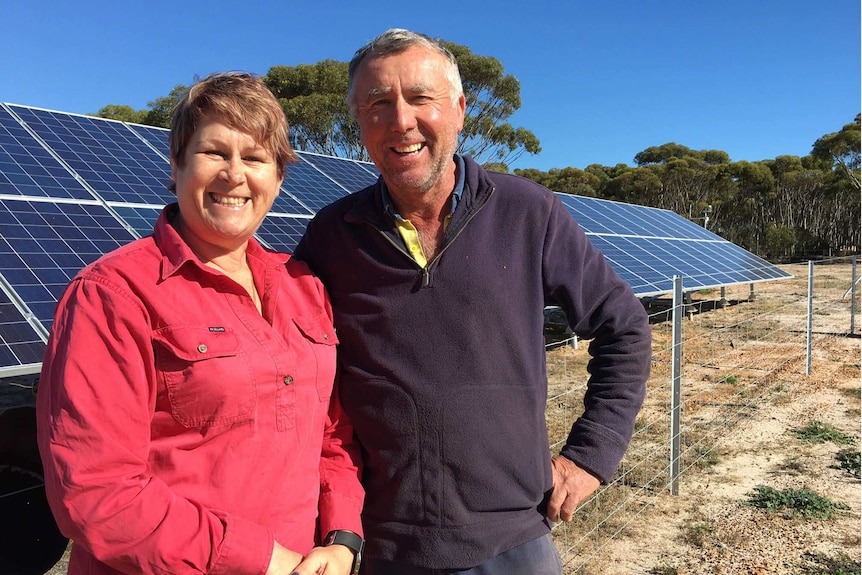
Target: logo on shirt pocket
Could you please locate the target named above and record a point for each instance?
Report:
(208, 378)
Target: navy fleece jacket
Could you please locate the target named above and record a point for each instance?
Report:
(442, 369)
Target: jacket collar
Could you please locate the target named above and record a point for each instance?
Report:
(371, 203)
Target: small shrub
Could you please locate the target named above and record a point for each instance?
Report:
(817, 432)
(794, 502)
(697, 534)
(821, 564)
(791, 467)
(848, 460)
(705, 457)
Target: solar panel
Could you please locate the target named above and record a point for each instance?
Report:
(44, 244)
(73, 188)
(351, 175)
(310, 186)
(142, 219)
(282, 233)
(110, 157)
(27, 168)
(20, 344)
(156, 137)
(648, 246)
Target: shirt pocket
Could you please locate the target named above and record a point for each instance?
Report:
(207, 376)
(320, 341)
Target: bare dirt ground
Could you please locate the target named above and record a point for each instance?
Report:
(747, 441)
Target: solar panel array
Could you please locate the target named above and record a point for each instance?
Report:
(647, 247)
(75, 187)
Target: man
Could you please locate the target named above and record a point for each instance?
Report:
(438, 275)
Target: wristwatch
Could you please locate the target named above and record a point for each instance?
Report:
(350, 540)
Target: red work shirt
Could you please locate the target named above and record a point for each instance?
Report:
(181, 432)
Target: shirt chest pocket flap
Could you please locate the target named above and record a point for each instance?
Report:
(207, 377)
(320, 340)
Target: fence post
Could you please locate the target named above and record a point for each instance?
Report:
(675, 405)
(853, 297)
(810, 317)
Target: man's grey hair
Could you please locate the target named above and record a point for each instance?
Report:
(397, 40)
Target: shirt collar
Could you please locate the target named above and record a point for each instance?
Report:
(176, 252)
(389, 207)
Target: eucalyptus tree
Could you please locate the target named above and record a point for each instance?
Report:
(122, 113)
(312, 96)
(160, 109)
(566, 180)
(840, 150)
(158, 112)
(492, 96)
(691, 179)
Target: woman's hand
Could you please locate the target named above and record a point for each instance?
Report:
(330, 560)
(283, 561)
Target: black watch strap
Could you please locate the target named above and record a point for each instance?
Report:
(350, 540)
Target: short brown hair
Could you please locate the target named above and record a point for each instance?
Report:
(242, 101)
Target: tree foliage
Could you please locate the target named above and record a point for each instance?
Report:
(158, 113)
(122, 113)
(841, 150)
(312, 96)
(492, 96)
(784, 208)
(160, 109)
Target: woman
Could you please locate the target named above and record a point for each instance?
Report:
(186, 417)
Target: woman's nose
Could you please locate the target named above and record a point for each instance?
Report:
(233, 172)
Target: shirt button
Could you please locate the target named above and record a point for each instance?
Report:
(326, 336)
(288, 380)
(202, 348)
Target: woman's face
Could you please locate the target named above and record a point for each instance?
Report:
(225, 187)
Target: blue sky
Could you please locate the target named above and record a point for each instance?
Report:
(600, 80)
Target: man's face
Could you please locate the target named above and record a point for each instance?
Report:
(409, 123)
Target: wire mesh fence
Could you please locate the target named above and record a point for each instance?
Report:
(740, 349)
